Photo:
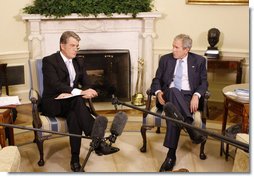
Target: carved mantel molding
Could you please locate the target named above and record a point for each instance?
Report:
(101, 32)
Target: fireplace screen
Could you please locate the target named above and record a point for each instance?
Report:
(109, 73)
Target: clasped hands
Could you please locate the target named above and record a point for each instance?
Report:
(193, 104)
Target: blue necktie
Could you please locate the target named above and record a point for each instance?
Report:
(179, 75)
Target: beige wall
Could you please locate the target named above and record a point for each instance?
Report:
(177, 17)
(196, 20)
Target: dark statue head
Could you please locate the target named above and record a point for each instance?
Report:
(213, 36)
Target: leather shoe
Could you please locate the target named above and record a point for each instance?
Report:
(168, 164)
(105, 149)
(75, 167)
(199, 140)
(196, 136)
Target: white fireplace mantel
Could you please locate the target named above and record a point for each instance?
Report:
(119, 31)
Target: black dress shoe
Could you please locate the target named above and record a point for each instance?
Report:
(105, 149)
(199, 140)
(172, 112)
(168, 164)
(196, 136)
(75, 167)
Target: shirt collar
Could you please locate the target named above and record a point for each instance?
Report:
(184, 59)
(65, 59)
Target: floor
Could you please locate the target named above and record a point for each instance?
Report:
(129, 158)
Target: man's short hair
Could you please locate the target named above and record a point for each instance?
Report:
(66, 35)
(187, 41)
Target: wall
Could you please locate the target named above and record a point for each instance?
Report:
(196, 20)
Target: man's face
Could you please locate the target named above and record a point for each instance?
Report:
(71, 48)
(178, 51)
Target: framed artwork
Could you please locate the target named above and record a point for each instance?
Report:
(219, 2)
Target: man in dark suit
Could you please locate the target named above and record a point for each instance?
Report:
(182, 90)
(65, 75)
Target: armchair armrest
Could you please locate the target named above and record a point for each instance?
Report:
(91, 106)
(35, 98)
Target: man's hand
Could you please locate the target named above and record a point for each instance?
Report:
(89, 93)
(194, 103)
(64, 95)
(160, 99)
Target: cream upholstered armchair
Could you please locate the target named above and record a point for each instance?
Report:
(151, 121)
(10, 159)
(242, 158)
(56, 124)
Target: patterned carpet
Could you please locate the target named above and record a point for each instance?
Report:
(128, 159)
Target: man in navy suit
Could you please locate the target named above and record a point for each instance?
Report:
(65, 75)
(185, 97)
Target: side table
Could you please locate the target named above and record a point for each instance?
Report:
(237, 106)
(5, 117)
(227, 63)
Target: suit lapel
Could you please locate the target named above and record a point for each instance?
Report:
(191, 70)
(61, 63)
(170, 70)
(75, 65)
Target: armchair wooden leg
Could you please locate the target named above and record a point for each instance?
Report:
(202, 154)
(35, 137)
(158, 130)
(143, 134)
(40, 148)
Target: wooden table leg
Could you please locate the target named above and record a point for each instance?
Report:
(224, 123)
(2, 136)
(11, 136)
(6, 117)
(245, 119)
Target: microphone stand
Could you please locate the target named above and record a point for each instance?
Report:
(86, 159)
(93, 145)
(228, 140)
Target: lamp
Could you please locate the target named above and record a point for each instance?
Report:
(213, 39)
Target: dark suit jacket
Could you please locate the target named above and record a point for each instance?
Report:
(56, 81)
(196, 72)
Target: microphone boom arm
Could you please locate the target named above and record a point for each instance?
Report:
(228, 140)
(43, 130)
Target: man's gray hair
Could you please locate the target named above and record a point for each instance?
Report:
(187, 41)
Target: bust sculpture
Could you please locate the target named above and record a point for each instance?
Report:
(213, 39)
(213, 36)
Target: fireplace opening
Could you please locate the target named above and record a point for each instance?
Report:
(109, 73)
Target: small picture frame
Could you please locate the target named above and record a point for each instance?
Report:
(218, 2)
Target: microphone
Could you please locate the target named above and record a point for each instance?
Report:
(98, 131)
(171, 110)
(97, 135)
(117, 126)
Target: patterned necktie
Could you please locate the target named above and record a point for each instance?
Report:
(71, 71)
(179, 75)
